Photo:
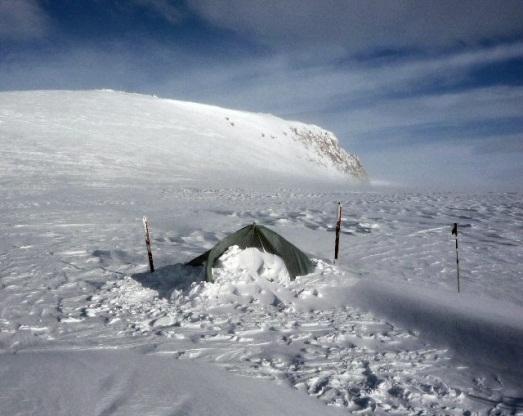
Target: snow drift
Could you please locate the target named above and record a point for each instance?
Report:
(484, 332)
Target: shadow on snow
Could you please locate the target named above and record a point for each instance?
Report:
(172, 277)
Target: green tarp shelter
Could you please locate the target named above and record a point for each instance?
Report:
(296, 262)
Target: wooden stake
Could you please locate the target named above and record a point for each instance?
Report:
(338, 228)
(148, 244)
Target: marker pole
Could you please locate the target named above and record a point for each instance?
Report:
(148, 244)
(338, 228)
(455, 232)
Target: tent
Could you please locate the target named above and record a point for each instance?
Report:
(253, 235)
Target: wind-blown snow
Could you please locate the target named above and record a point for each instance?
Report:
(85, 329)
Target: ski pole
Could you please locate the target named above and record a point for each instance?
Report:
(455, 233)
(338, 228)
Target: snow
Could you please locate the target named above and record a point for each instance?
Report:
(108, 382)
(479, 329)
(85, 329)
(99, 134)
(252, 265)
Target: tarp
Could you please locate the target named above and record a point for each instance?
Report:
(253, 235)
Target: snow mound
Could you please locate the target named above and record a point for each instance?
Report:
(243, 277)
(250, 264)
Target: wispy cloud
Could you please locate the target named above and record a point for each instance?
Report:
(22, 20)
(165, 8)
(510, 143)
(360, 25)
(275, 84)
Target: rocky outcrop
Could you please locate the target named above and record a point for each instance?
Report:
(326, 145)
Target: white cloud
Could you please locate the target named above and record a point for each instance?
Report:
(164, 8)
(481, 105)
(22, 19)
(362, 24)
(276, 84)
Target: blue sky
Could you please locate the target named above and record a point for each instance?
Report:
(427, 93)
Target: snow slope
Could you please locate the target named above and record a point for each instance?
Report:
(85, 329)
(100, 134)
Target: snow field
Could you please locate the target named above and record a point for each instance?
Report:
(74, 277)
(85, 328)
(119, 382)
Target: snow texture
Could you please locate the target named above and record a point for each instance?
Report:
(108, 382)
(86, 329)
(112, 134)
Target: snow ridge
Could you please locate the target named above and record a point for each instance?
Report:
(106, 135)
